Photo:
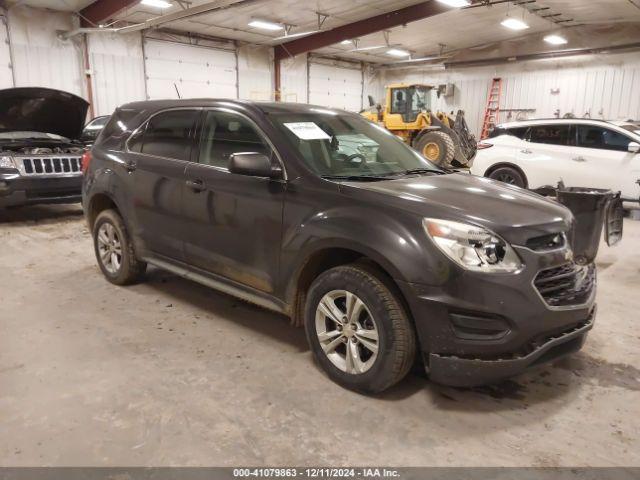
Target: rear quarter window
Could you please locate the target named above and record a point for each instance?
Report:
(119, 127)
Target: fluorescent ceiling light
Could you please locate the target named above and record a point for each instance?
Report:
(295, 35)
(396, 52)
(514, 24)
(265, 25)
(456, 3)
(364, 49)
(555, 40)
(346, 42)
(156, 3)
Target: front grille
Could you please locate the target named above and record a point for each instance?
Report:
(50, 165)
(566, 285)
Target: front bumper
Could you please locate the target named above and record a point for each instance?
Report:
(18, 190)
(477, 328)
(467, 372)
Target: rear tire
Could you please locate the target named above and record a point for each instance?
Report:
(114, 250)
(358, 330)
(437, 147)
(510, 176)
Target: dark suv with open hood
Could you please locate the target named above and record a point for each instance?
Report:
(40, 157)
(322, 215)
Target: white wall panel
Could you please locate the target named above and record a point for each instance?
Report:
(293, 78)
(41, 59)
(336, 86)
(603, 87)
(6, 76)
(255, 73)
(117, 70)
(196, 71)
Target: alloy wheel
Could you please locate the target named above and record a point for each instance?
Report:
(109, 248)
(506, 178)
(347, 331)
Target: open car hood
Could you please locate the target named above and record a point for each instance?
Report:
(45, 110)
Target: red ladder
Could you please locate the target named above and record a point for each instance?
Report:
(492, 111)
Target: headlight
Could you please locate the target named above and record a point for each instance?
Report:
(6, 162)
(471, 247)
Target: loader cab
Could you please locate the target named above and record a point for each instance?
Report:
(408, 101)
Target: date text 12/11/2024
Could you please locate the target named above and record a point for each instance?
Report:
(316, 472)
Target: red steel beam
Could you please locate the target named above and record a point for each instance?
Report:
(360, 28)
(101, 10)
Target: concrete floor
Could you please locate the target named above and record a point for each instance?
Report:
(171, 373)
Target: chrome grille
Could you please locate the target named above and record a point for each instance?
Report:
(58, 165)
(566, 285)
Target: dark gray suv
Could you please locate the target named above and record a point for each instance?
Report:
(319, 214)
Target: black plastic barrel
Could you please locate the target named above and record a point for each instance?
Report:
(591, 208)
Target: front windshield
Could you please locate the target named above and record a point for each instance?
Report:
(343, 145)
(20, 135)
(632, 127)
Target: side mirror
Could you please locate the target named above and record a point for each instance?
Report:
(634, 147)
(372, 102)
(253, 164)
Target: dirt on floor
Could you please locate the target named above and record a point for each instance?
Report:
(169, 372)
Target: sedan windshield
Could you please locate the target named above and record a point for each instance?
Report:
(632, 127)
(343, 145)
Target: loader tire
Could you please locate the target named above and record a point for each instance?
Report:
(437, 147)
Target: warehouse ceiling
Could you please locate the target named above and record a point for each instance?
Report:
(587, 24)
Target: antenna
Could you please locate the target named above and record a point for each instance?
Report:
(177, 91)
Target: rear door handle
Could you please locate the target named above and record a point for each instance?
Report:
(579, 159)
(195, 185)
(526, 151)
(130, 166)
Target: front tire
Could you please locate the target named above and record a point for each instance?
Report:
(358, 330)
(437, 147)
(114, 250)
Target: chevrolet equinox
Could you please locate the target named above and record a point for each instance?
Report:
(386, 259)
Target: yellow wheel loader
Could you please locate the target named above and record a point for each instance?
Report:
(441, 138)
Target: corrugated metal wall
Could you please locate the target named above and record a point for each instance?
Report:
(603, 87)
(117, 70)
(41, 59)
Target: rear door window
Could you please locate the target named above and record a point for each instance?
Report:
(167, 134)
(551, 134)
(591, 136)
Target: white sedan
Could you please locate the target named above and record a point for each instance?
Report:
(581, 153)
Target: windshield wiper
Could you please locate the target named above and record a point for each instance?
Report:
(354, 177)
(417, 171)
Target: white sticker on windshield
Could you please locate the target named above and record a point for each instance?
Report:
(307, 131)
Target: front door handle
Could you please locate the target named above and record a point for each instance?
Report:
(195, 185)
(579, 159)
(130, 166)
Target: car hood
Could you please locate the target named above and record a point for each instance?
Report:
(42, 110)
(513, 213)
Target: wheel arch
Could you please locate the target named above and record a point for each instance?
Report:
(495, 166)
(330, 256)
(98, 203)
